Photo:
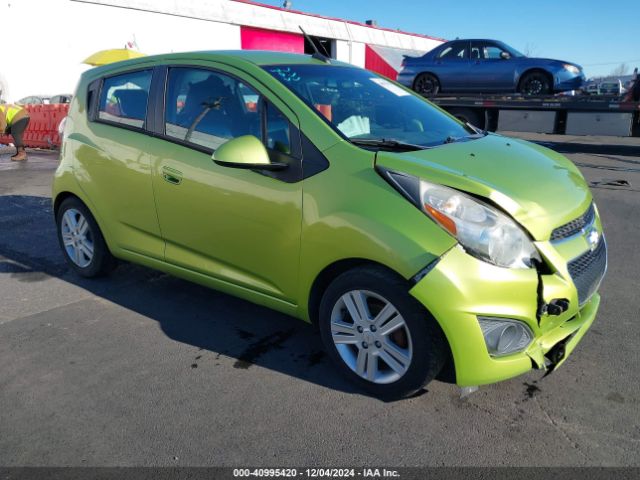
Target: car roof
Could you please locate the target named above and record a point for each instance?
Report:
(264, 57)
(475, 40)
(255, 57)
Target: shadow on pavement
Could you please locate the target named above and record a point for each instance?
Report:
(186, 312)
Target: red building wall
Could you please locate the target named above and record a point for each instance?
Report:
(260, 39)
(374, 62)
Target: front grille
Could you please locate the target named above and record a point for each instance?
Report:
(587, 271)
(574, 226)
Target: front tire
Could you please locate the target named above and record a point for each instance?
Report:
(81, 240)
(535, 83)
(378, 335)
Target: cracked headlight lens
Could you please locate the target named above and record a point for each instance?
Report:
(482, 230)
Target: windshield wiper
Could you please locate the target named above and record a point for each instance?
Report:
(386, 143)
(479, 131)
(473, 136)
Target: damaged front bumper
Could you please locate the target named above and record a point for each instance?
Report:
(460, 288)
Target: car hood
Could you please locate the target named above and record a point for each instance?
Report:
(548, 61)
(538, 187)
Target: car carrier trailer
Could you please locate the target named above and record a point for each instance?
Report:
(572, 115)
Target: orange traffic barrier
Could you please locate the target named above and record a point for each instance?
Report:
(42, 131)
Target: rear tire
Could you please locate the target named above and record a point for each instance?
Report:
(394, 348)
(426, 84)
(535, 83)
(81, 240)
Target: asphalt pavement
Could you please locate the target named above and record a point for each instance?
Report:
(143, 369)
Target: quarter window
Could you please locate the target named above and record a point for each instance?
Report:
(124, 98)
(277, 131)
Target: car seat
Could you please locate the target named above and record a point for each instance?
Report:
(132, 103)
(214, 106)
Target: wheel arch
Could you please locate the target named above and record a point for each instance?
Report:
(333, 271)
(337, 268)
(529, 70)
(62, 195)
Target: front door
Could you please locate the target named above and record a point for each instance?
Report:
(239, 226)
(491, 71)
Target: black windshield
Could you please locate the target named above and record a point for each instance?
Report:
(362, 105)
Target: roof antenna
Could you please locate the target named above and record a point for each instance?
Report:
(317, 55)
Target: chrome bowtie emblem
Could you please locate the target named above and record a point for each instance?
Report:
(592, 237)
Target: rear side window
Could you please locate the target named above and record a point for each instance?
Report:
(456, 51)
(124, 98)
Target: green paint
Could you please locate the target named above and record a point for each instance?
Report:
(267, 241)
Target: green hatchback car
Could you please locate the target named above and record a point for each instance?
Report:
(329, 193)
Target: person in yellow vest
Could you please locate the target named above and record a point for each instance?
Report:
(14, 120)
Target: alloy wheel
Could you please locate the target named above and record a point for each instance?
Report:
(371, 336)
(534, 85)
(77, 238)
(426, 85)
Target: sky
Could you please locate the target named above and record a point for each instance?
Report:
(595, 34)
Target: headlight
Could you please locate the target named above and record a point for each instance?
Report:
(482, 230)
(571, 68)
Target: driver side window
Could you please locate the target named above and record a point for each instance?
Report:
(208, 108)
(485, 51)
(492, 52)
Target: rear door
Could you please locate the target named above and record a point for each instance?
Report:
(239, 226)
(111, 163)
(452, 66)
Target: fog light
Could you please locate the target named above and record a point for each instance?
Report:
(504, 336)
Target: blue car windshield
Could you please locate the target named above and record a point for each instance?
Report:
(514, 53)
(364, 106)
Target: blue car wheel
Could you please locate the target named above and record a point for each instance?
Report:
(535, 83)
(426, 84)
